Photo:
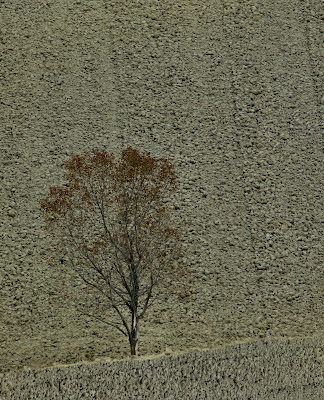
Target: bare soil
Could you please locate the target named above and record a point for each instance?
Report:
(232, 93)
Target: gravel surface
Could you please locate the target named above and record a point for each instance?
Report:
(232, 93)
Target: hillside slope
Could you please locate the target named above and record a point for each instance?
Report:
(233, 94)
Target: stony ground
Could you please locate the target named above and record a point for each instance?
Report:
(232, 93)
(283, 369)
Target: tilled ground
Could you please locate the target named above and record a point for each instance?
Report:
(232, 92)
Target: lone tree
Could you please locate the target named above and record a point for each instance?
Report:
(111, 226)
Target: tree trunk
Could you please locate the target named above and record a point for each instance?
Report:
(133, 339)
(134, 347)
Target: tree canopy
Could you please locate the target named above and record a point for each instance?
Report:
(112, 226)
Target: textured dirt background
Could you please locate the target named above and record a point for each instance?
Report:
(289, 369)
(232, 92)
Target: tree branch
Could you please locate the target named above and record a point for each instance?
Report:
(102, 320)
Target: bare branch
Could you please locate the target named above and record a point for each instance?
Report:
(102, 320)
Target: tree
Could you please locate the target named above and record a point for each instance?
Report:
(111, 226)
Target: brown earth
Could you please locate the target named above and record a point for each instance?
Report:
(232, 93)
